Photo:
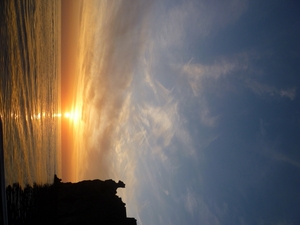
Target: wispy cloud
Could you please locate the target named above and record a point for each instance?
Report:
(270, 90)
(191, 204)
(198, 209)
(197, 73)
(272, 149)
(240, 66)
(289, 93)
(113, 35)
(207, 119)
(284, 158)
(197, 19)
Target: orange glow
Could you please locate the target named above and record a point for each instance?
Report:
(74, 116)
(70, 116)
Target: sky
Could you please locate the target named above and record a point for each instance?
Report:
(193, 104)
(70, 20)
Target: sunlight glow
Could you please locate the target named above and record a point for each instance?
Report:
(74, 116)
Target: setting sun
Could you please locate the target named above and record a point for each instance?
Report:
(72, 115)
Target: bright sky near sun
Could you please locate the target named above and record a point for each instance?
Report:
(194, 104)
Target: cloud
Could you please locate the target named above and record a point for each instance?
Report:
(198, 74)
(239, 66)
(190, 19)
(273, 149)
(113, 36)
(190, 202)
(284, 158)
(207, 119)
(289, 93)
(272, 91)
(198, 209)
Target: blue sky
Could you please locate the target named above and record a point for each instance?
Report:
(195, 106)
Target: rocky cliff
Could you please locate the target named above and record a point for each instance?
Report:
(86, 202)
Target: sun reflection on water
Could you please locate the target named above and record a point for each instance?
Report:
(43, 115)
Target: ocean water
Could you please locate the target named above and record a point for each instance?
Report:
(30, 90)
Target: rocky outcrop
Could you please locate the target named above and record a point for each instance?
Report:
(90, 202)
(87, 202)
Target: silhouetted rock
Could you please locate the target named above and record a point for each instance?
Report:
(91, 202)
(86, 202)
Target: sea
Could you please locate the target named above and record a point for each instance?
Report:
(30, 90)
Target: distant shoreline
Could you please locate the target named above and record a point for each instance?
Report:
(2, 179)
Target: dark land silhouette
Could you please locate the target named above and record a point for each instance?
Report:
(86, 202)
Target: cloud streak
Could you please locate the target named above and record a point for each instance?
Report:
(198, 73)
(112, 38)
(272, 91)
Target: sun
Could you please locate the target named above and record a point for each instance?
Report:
(74, 116)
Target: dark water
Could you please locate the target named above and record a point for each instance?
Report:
(29, 90)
